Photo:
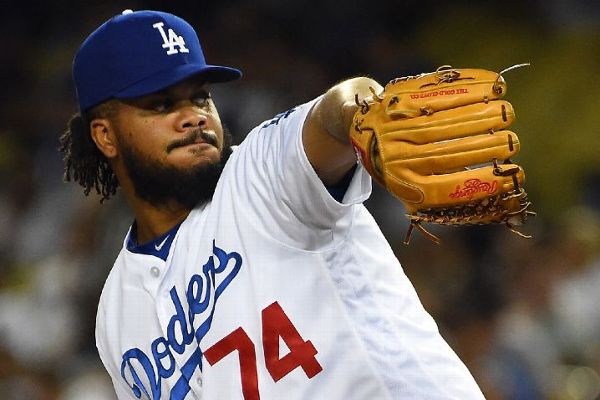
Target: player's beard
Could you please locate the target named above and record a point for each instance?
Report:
(161, 185)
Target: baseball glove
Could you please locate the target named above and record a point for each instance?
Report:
(439, 143)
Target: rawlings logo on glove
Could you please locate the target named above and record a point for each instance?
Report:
(439, 142)
(473, 186)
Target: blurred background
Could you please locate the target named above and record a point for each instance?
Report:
(524, 315)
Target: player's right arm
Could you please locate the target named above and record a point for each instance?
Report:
(325, 134)
(286, 167)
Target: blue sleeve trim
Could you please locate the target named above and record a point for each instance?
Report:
(338, 190)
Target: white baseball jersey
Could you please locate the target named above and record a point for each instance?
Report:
(274, 290)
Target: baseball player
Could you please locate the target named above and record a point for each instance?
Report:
(247, 273)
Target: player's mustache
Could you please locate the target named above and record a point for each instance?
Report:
(193, 137)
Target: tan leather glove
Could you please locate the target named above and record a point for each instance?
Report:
(439, 142)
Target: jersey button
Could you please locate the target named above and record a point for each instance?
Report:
(155, 272)
(199, 381)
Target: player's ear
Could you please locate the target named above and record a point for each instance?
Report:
(103, 135)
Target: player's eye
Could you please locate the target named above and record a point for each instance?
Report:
(201, 99)
(160, 105)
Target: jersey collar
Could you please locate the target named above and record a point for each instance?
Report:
(158, 247)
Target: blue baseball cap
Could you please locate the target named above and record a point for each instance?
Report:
(138, 53)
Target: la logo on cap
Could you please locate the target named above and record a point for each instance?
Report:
(171, 41)
(124, 58)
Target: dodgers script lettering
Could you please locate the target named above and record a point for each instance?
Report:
(144, 373)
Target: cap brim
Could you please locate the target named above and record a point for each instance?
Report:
(164, 79)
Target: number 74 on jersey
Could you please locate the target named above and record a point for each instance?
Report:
(275, 324)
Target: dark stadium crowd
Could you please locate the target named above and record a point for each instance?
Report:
(523, 314)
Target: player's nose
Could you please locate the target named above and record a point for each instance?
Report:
(190, 117)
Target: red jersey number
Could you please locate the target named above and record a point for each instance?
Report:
(275, 324)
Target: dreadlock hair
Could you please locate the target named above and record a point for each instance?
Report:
(84, 163)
